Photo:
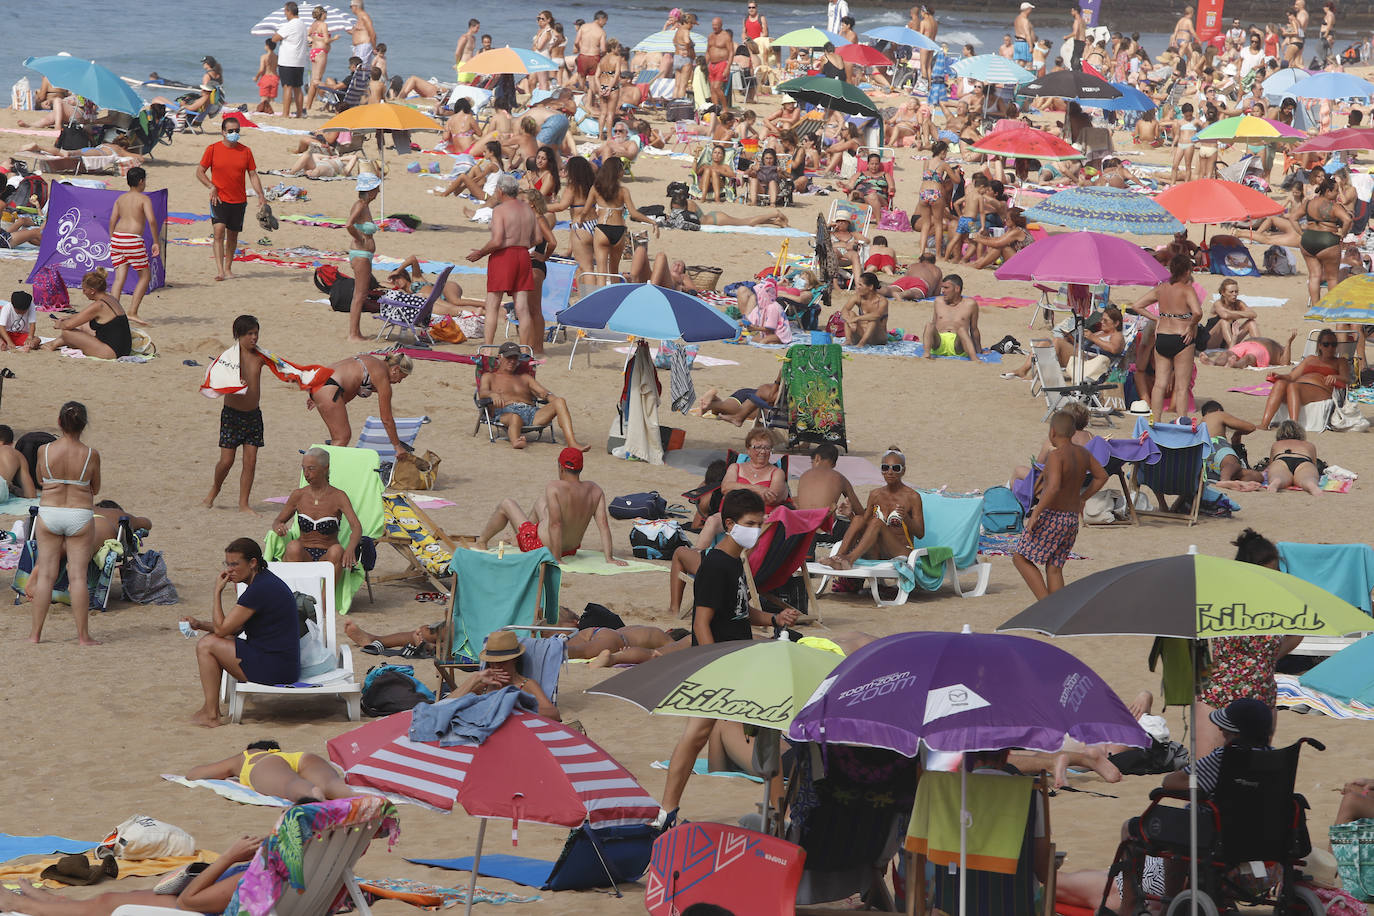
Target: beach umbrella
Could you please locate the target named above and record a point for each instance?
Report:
(831, 94)
(662, 42)
(964, 692)
(1250, 129)
(1330, 84)
(336, 20)
(1131, 99)
(1106, 209)
(1071, 84)
(530, 768)
(646, 310)
(1212, 200)
(1348, 675)
(98, 85)
(1347, 138)
(381, 116)
(1085, 258)
(1350, 300)
(992, 69)
(864, 56)
(1280, 85)
(901, 35)
(1025, 142)
(810, 37)
(519, 61)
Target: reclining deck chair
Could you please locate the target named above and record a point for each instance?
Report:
(426, 547)
(315, 581)
(950, 544)
(374, 437)
(1180, 471)
(487, 414)
(813, 376)
(353, 470)
(319, 877)
(398, 311)
(708, 863)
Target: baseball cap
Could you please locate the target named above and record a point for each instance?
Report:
(1027, 6)
(1247, 717)
(570, 458)
(509, 348)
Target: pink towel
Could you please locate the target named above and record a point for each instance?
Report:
(1260, 391)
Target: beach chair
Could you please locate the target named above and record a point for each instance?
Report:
(1097, 144)
(353, 470)
(374, 437)
(492, 590)
(1180, 471)
(776, 574)
(329, 838)
(194, 121)
(1049, 380)
(813, 379)
(1345, 570)
(951, 522)
(732, 154)
(487, 415)
(581, 337)
(398, 314)
(315, 581)
(99, 572)
(555, 294)
(426, 547)
(725, 865)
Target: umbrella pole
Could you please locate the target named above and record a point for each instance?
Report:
(963, 840)
(476, 862)
(381, 155)
(1192, 785)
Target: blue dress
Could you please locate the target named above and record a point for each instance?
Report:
(271, 651)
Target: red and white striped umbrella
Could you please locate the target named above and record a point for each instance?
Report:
(531, 768)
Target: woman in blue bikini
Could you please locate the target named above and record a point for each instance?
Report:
(320, 510)
(361, 228)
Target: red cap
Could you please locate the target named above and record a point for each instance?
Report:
(570, 458)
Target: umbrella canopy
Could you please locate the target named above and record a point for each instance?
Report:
(1347, 138)
(1106, 209)
(830, 93)
(336, 20)
(1330, 84)
(1132, 99)
(1192, 596)
(964, 692)
(1086, 258)
(86, 78)
(864, 56)
(1071, 84)
(901, 35)
(1250, 129)
(1280, 85)
(756, 682)
(810, 37)
(508, 60)
(1350, 300)
(1211, 200)
(993, 69)
(662, 42)
(645, 310)
(382, 116)
(1026, 142)
(1348, 675)
(550, 773)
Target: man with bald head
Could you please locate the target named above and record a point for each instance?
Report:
(719, 48)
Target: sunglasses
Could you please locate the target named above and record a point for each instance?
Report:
(895, 468)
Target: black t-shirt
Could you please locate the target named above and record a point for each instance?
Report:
(720, 586)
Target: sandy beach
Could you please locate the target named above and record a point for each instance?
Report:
(125, 705)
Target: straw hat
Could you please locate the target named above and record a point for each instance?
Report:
(1140, 408)
(502, 646)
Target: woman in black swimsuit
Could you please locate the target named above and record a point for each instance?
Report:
(1179, 313)
(360, 377)
(1327, 224)
(1293, 460)
(101, 329)
(320, 510)
(608, 204)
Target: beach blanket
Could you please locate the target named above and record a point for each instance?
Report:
(1003, 302)
(1260, 391)
(231, 789)
(187, 217)
(74, 353)
(1360, 395)
(700, 360)
(328, 222)
(285, 174)
(516, 869)
(16, 847)
(702, 768)
(1003, 545)
(1294, 695)
(814, 378)
(896, 348)
(429, 896)
(593, 562)
(128, 868)
(24, 252)
(225, 374)
(1259, 302)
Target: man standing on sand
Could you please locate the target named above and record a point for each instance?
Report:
(1052, 526)
(559, 518)
(718, 51)
(240, 419)
(929, 28)
(1023, 35)
(953, 328)
(467, 43)
(364, 34)
(223, 167)
(590, 46)
(513, 233)
(131, 214)
(293, 56)
(1078, 34)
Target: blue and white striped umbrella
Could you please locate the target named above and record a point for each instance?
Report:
(336, 19)
(901, 35)
(662, 42)
(646, 310)
(993, 69)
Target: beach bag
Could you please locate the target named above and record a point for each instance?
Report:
(638, 505)
(49, 290)
(663, 357)
(1278, 262)
(1002, 512)
(415, 472)
(390, 689)
(316, 659)
(472, 324)
(30, 191)
(144, 837)
(325, 277)
(1353, 846)
(657, 540)
(145, 580)
(624, 850)
(1159, 757)
(446, 330)
(598, 615)
(895, 221)
(1105, 507)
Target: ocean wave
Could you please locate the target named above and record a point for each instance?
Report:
(959, 37)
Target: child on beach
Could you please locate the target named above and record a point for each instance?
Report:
(266, 78)
(132, 212)
(16, 323)
(240, 420)
(1052, 526)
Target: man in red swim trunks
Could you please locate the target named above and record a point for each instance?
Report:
(919, 280)
(508, 269)
(719, 47)
(560, 517)
(590, 45)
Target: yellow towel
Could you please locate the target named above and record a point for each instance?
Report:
(820, 642)
(997, 805)
(128, 868)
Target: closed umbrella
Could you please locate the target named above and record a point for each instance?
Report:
(1026, 142)
(1343, 140)
(1211, 200)
(901, 35)
(646, 310)
(336, 20)
(662, 42)
(864, 56)
(1071, 84)
(1105, 209)
(1330, 84)
(831, 94)
(382, 116)
(810, 37)
(519, 61)
(98, 85)
(1350, 300)
(992, 69)
(1131, 99)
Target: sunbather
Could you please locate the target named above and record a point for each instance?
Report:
(361, 377)
(759, 473)
(502, 654)
(1107, 341)
(101, 329)
(1293, 460)
(889, 523)
(262, 766)
(560, 517)
(739, 406)
(417, 643)
(513, 395)
(20, 232)
(630, 645)
(1260, 352)
(411, 278)
(315, 165)
(1311, 380)
(329, 507)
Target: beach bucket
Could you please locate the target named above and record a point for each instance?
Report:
(820, 338)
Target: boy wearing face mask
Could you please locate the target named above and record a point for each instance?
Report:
(721, 613)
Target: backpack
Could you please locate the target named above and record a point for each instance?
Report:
(1002, 511)
(30, 191)
(656, 540)
(390, 689)
(638, 505)
(49, 289)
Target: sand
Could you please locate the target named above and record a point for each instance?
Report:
(90, 729)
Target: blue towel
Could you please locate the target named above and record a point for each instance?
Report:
(1347, 675)
(14, 847)
(543, 661)
(954, 522)
(1173, 435)
(1344, 570)
(468, 719)
(494, 592)
(518, 869)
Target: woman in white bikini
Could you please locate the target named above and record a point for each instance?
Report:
(69, 477)
(889, 524)
(543, 42)
(320, 509)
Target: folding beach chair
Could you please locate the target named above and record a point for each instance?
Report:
(555, 295)
(399, 311)
(776, 573)
(488, 415)
(732, 154)
(374, 437)
(99, 572)
(813, 378)
(1180, 471)
(426, 547)
(581, 337)
(1049, 380)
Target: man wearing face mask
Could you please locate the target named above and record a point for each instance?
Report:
(721, 613)
(223, 169)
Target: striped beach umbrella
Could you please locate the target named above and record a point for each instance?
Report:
(993, 69)
(1105, 209)
(662, 42)
(336, 20)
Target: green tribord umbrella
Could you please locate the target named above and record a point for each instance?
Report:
(830, 94)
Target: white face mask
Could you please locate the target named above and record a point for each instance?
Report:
(232, 136)
(745, 535)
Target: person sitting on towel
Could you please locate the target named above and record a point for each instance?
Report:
(264, 767)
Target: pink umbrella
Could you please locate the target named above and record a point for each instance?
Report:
(864, 56)
(1347, 138)
(1085, 258)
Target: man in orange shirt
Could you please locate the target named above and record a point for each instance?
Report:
(222, 169)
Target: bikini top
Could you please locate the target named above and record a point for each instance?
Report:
(367, 228)
(76, 483)
(327, 525)
(765, 481)
(365, 387)
(893, 516)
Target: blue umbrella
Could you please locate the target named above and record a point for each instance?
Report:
(645, 310)
(86, 78)
(991, 68)
(1104, 209)
(1332, 85)
(1347, 675)
(1132, 99)
(901, 35)
(1279, 85)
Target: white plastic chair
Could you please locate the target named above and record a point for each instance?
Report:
(875, 573)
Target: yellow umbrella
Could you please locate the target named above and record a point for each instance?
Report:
(518, 61)
(381, 116)
(1350, 300)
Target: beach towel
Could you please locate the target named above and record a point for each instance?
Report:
(1259, 302)
(593, 562)
(896, 348)
(929, 572)
(1004, 545)
(953, 522)
(703, 768)
(225, 374)
(128, 868)
(231, 789)
(492, 585)
(1295, 695)
(814, 378)
(1346, 676)
(1003, 302)
(516, 869)
(429, 896)
(1260, 391)
(421, 500)
(468, 719)
(860, 471)
(998, 806)
(16, 847)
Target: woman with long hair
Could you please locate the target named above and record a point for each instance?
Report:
(575, 195)
(609, 204)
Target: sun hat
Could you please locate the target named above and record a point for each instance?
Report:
(502, 646)
(368, 182)
(1140, 408)
(1247, 717)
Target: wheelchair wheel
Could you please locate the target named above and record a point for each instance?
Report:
(1182, 905)
(1306, 903)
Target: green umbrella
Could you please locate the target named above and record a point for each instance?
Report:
(830, 93)
(808, 37)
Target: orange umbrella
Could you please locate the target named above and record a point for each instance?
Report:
(1211, 200)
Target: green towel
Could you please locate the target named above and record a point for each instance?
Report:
(998, 806)
(929, 573)
(1178, 677)
(494, 592)
(593, 562)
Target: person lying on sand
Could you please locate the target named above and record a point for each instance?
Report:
(628, 645)
(420, 642)
(264, 767)
(513, 394)
(1260, 352)
(560, 517)
(411, 279)
(739, 406)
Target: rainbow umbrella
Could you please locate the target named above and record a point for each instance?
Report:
(810, 37)
(519, 61)
(1250, 129)
(1350, 300)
